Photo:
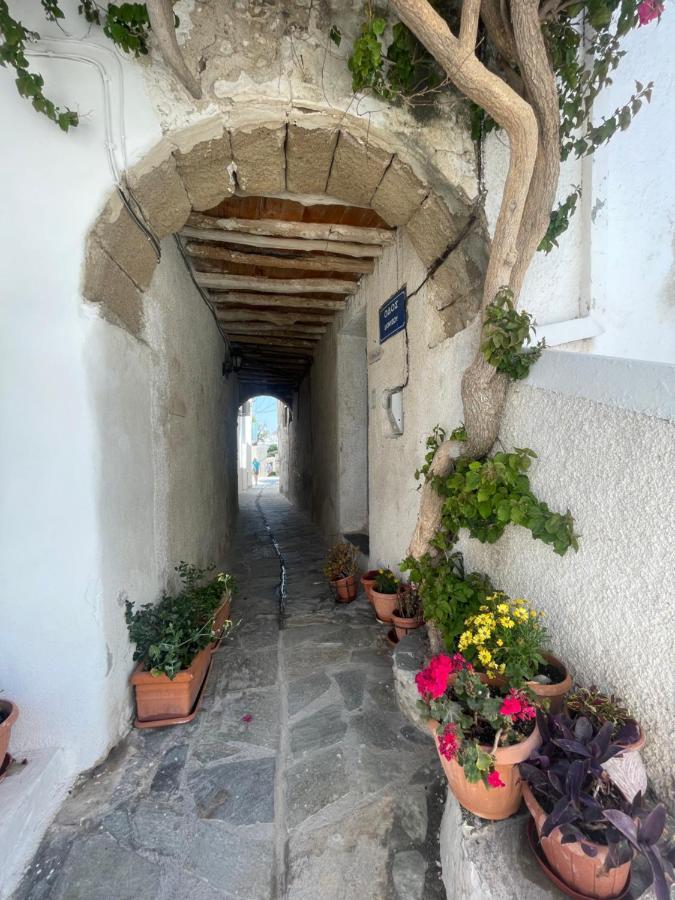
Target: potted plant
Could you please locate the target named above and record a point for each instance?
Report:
(9, 713)
(505, 638)
(221, 589)
(173, 648)
(368, 580)
(481, 734)
(449, 594)
(600, 708)
(385, 595)
(588, 831)
(408, 613)
(340, 569)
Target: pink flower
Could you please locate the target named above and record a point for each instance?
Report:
(433, 681)
(247, 718)
(649, 10)
(494, 779)
(448, 745)
(510, 707)
(517, 707)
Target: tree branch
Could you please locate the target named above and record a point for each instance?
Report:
(483, 388)
(468, 27)
(542, 92)
(160, 13)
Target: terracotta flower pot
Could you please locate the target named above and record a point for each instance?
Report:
(12, 712)
(346, 589)
(221, 616)
(554, 693)
(404, 625)
(488, 802)
(368, 580)
(384, 604)
(580, 872)
(160, 697)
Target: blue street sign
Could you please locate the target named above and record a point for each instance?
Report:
(393, 315)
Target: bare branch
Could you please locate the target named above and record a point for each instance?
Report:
(468, 28)
(542, 92)
(499, 36)
(160, 13)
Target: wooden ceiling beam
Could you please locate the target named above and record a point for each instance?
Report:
(263, 328)
(237, 298)
(268, 340)
(312, 231)
(261, 284)
(280, 317)
(199, 250)
(267, 242)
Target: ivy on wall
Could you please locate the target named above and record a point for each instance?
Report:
(126, 25)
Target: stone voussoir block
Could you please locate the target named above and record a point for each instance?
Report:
(432, 228)
(123, 239)
(358, 167)
(260, 158)
(203, 156)
(158, 190)
(399, 194)
(309, 156)
(106, 283)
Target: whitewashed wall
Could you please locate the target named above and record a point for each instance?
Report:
(114, 452)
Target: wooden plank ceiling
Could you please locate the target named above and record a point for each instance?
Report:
(276, 272)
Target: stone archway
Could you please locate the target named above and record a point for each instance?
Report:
(297, 155)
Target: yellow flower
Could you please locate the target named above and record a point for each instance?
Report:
(533, 614)
(484, 656)
(502, 668)
(500, 642)
(465, 640)
(520, 614)
(503, 608)
(506, 622)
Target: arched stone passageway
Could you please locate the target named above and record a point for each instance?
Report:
(279, 220)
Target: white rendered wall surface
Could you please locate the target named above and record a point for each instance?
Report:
(114, 451)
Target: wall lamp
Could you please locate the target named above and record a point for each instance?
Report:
(233, 364)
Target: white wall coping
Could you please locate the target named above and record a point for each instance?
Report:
(637, 385)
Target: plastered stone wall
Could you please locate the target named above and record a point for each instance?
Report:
(608, 607)
(166, 424)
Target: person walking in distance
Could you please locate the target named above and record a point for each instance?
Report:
(255, 465)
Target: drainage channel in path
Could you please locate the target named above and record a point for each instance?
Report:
(281, 587)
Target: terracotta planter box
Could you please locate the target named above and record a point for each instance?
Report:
(12, 711)
(580, 872)
(488, 802)
(221, 616)
(384, 604)
(554, 693)
(160, 697)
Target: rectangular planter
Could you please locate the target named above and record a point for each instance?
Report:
(221, 616)
(160, 697)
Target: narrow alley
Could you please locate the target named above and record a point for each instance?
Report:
(299, 779)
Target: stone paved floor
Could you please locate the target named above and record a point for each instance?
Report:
(326, 794)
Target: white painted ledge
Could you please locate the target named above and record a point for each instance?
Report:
(30, 797)
(566, 332)
(636, 385)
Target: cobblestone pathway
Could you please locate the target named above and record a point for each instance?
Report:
(325, 794)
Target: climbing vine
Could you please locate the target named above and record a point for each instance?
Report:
(127, 25)
(484, 496)
(506, 334)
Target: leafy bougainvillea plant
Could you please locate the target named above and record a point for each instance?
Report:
(472, 716)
